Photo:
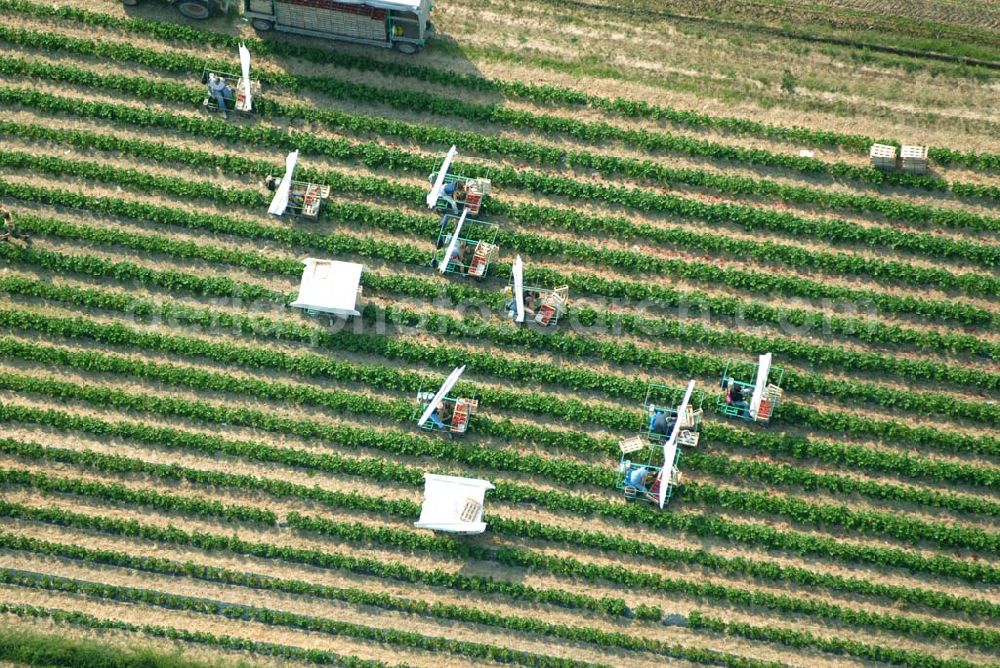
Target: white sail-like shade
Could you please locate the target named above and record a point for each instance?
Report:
(446, 386)
(763, 368)
(519, 288)
(329, 286)
(454, 242)
(445, 498)
(432, 196)
(245, 65)
(670, 447)
(280, 199)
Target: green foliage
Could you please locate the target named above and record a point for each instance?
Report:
(869, 332)
(537, 93)
(34, 648)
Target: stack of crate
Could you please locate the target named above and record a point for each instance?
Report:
(914, 159)
(883, 156)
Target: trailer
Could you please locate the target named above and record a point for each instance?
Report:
(543, 306)
(443, 413)
(395, 24)
(456, 192)
(764, 395)
(299, 197)
(247, 89)
(465, 246)
(648, 470)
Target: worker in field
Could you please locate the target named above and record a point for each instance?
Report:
(10, 229)
(220, 91)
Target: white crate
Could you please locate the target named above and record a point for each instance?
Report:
(262, 6)
(913, 159)
(883, 156)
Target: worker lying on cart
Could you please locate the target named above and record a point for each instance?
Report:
(637, 478)
(735, 398)
(296, 200)
(220, 91)
(441, 417)
(661, 423)
(454, 194)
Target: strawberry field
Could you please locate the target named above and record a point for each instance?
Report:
(189, 465)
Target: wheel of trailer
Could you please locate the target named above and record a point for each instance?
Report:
(199, 10)
(261, 25)
(406, 47)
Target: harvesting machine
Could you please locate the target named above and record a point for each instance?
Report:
(441, 412)
(465, 246)
(648, 465)
(544, 306)
(764, 397)
(454, 191)
(299, 197)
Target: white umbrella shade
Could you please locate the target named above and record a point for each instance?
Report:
(670, 447)
(245, 65)
(763, 369)
(432, 196)
(280, 200)
(446, 386)
(454, 242)
(519, 288)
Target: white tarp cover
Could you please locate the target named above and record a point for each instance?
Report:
(670, 447)
(519, 288)
(245, 65)
(454, 242)
(432, 196)
(763, 368)
(445, 497)
(280, 199)
(446, 386)
(329, 286)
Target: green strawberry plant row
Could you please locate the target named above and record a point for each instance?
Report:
(647, 328)
(869, 332)
(412, 540)
(572, 475)
(889, 430)
(538, 93)
(707, 272)
(172, 439)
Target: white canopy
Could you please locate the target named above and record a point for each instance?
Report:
(446, 386)
(245, 65)
(280, 199)
(670, 447)
(432, 196)
(763, 368)
(445, 499)
(329, 286)
(519, 288)
(454, 242)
